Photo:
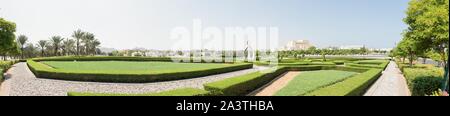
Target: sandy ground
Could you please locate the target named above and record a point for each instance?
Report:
(277, 84)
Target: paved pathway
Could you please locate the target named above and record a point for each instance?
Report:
(22, 82)
(391, 83)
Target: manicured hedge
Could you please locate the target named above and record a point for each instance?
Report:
(44, 71)
(4, 66)
(354, 86)
(1, 75)
(177, 92)
(243, 85)
(300, 63)
(380, 64)
(423, 81)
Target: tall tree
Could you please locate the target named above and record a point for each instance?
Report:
(42, 44)
(78, 35)
(56, 42)
(428, 21)
(7, 36)
(22, 39)
(68, 46)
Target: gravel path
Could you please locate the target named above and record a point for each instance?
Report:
(391, 83)
(20, 81)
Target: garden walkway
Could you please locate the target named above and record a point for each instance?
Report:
(391, 83)
(22, 82)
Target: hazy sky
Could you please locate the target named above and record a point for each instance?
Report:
(147, 23)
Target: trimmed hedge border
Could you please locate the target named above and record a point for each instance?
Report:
(369, 64)
(44, 71)
(176, 92)
(245, 84)
(354, 86)
(4, 66)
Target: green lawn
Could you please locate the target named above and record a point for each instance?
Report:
(312, 80)
(130, 67)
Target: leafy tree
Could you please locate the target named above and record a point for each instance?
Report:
(7, 37)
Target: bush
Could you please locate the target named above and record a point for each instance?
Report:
(339, 62)
(1, 75)
(44, 71)
(243, 85)
(423, 81)
(380, 64)
(177, 92)
(354, 86)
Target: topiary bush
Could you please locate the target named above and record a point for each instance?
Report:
(423, 81)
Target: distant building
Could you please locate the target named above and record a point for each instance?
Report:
(298, 45)
(351, 47)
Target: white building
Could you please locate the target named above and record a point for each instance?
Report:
(351, 47)
(298, 45)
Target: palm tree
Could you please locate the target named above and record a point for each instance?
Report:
(88, 40)
(22, 39)
(56, 41)
(95, 44)
(68, 45)
(78, 35)
(42, 44)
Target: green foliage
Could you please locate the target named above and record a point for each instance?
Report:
(7, 37)
(44, 71)
(354, 86)
(177, 92)
(310, 81)
(4, 66)
(380, 64)
(423, 80)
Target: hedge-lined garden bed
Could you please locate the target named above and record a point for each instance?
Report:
(354, 86)
(245, 84)
(422, 79)
(177, 92)
(45, 71)
(4, 66)
(380, 64)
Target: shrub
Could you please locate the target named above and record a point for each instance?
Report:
(354, 86)
(1, 75)
(177, 92)
(44, 71)
(339, 62)
(423, 81)
(380, 64)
